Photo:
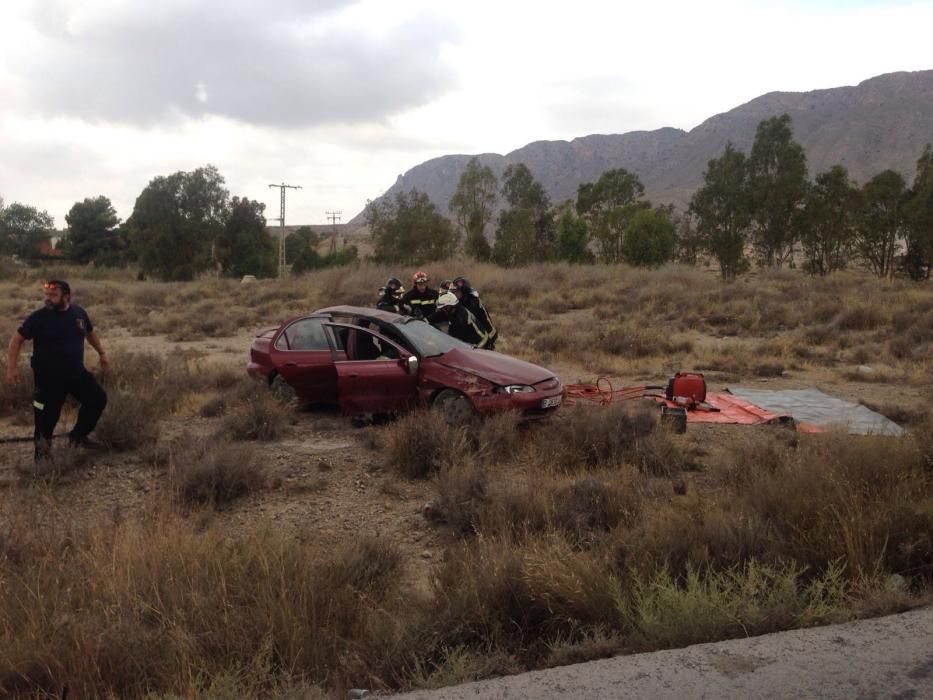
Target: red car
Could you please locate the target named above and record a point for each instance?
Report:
(370, 361)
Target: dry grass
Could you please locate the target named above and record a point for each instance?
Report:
(135, 608)
(420, 443)
(213, 472)
(259, 416)
(562, 541)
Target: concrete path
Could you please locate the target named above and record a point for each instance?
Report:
(888, 657)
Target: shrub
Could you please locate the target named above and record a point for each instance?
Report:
(843, 497)
(463, 492)
(664, 612)
(859, 318)
(592, 505)
(129, 421)
(216, 472)
(151, 607)
(260, 417)
(633, 340)
(15, 398)
(419, 444)
(587, 435)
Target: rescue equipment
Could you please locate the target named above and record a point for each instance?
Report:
(688, 388)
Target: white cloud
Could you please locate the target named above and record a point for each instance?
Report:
(341, 97)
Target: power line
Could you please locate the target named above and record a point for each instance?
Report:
(334, 218)
(283, 270)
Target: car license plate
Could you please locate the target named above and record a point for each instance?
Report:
(551, 401)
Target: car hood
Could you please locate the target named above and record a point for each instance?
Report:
(495, 367)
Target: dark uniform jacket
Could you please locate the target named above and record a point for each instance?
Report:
(57, 339)
(472, 302)
(463, 325)
(390, 302)
(422, 304)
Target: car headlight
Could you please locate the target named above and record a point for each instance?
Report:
(515, 389)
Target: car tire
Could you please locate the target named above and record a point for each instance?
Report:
(456, 407)
(282, 390)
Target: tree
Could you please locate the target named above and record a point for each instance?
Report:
(522, 191)
(777, 181)
(649, 238)
(176, 220)
(919, 257)
(881, 220)
(515, 238)
(305, 260)
(722, 211)
(25, 231)
(609, 205)
(299, 241)
(93, 234)
(573, 238)
(244, 246)
(525, 231)
(687, 241)
(473, 204)
(828, 230)
(408, 229)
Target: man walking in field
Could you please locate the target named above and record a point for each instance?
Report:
(58, 331)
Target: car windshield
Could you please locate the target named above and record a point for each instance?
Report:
(429, 341)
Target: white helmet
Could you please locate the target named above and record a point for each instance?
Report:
(446, 299)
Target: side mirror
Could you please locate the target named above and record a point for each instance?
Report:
(411, 364)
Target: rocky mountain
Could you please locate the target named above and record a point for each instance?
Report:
(881, 123)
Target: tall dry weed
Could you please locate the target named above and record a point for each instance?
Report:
(215, 472)
(135, 608)
(421, 443)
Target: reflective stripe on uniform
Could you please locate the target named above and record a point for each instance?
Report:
(39, 406)
(492, 328)
(484, 337)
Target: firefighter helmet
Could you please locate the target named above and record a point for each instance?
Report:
(446, 299)
(462, 284)
(445, 286)
(394, 286)
(419, 277)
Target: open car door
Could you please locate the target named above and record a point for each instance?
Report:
(374, 374)
(302, 355)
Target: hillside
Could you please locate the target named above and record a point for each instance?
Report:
(881, 123)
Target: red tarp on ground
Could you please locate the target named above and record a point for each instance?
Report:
(731, 409)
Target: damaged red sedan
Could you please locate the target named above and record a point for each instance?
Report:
(370, 361)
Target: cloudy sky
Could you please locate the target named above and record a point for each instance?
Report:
(341, 96)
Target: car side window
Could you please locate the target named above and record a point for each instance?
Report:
(304, 334)
(362, 346)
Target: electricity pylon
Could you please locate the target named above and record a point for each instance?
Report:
(283, 270)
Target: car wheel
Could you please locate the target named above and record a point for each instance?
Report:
(282, 389)
(456, 408)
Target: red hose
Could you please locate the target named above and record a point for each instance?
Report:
(602, 392)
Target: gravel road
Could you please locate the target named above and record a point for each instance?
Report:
(888, 657)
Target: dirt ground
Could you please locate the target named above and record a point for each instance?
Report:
(328, 479)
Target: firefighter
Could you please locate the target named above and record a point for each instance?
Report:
(390, 297)
(444, 286)
(58, 331)
(421, 299)
(469, 298)
(461, 323)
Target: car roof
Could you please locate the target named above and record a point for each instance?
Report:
(379, 314)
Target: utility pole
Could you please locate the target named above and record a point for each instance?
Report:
(283, 270)
(334, 218)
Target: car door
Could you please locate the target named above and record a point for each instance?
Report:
(302, 355)
(374, 374)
